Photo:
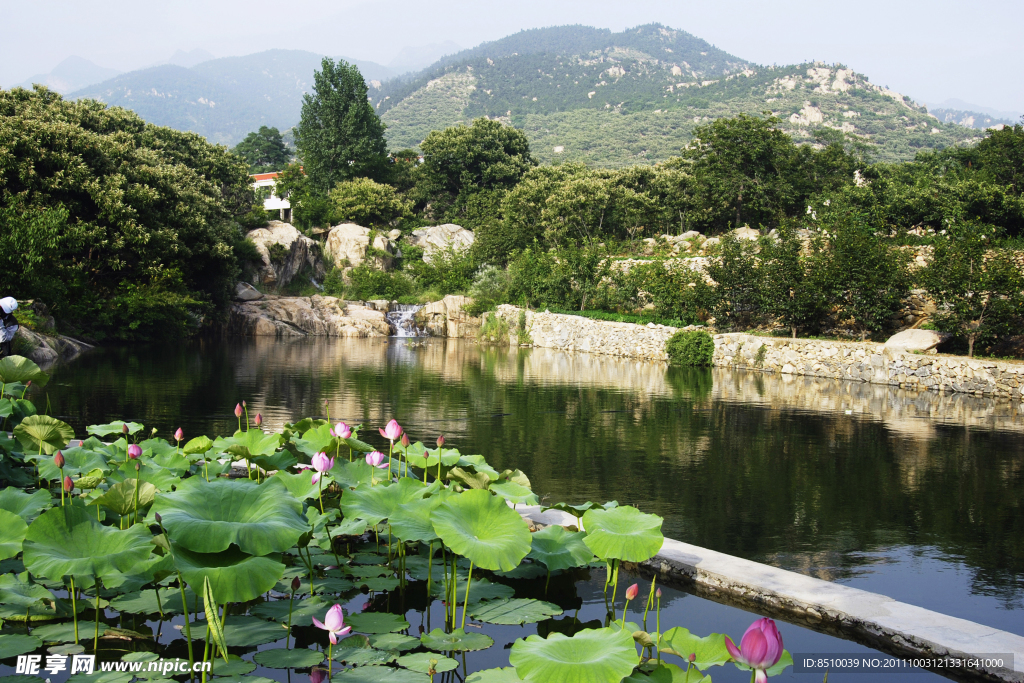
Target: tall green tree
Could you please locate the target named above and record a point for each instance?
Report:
(264, 150)
(790, 290)
(340, 136)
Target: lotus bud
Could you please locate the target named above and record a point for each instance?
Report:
(58, 460)
(28, 384)
(238, 410)
(317, 675)
(134, 451)
(259, 420)
(243, 405)
(158, 518)
(693, 657)
(405, 440)
(68, 485)
(760, 648)
(138, 465)
(658, 593)
(179, 435)
(440, 441)
(295, 584)
(152, 432)
(124, 429)
(632, 591)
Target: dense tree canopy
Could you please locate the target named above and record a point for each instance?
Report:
(264, 150)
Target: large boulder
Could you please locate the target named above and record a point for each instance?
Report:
(315, 316)
(746, 233)
(347, 246)
(300, 253)
(448, 318)
(924, 341)
(439, 238)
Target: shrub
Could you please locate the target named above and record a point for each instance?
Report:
(693, 348)
(449, 270)
(368, 203)
(370, 283)
(489, 288)
(494, 329)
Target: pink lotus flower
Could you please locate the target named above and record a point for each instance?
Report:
(318, 675)
(392, 431)
(179, 435)
(632, 591)
(377, 459)
(342, 431)
(58, 459)
(68, 485)
(259, 420)
(440, 441)
(321, 463)
(134, 451)
(334, 624)
(405, 440)
(238, 410)
(760, 649)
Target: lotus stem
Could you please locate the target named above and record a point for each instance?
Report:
(96, 631)
(159, 603)
(615, 580)
(246, 409)
(206, 649)
(546, 582)
(465, 603)
(62, 494)
(658, 626)
(330, 662)
(288, 637)
(650, 601)
(138, 483)
(74, 605)
(430, 560)
(184, 603)
(391, 451)
(320, 494)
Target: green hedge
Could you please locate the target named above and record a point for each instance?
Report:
(693, 348)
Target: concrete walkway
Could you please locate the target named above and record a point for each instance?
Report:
(875, 620)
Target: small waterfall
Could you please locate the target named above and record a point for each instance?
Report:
(401, 318)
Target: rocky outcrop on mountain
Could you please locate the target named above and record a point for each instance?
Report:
(347, 246)
(286, 252)
(448, 318)
(315, 316)
(440, 238)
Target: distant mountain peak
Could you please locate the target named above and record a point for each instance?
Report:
(72, 73)
(190, 58)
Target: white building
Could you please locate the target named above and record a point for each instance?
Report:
(273, 202)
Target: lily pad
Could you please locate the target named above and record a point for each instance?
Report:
(66, 649)
(145, 602)
(666, 673)
(394, 641)
(42, 432)
(482, 528)
(77, 461)
(364, 656)
(420, 661)
(21, 369)
(19, 678)
(17, 644)
(505, 675)
(560, 549)
(198, 445)
(377, 622)
(68, 541)
(101, 677)
(515, 611)
(603, 655)
(377, 503)
(299, 485)
(411, 521)
(526, 570)
(242, 631)
(279, 658)
(120, 498)
(12, 533)
(479, 589)
(115, 427)
(380, 674)
(25, 505)
(234, 576)
(623, 533)
(207, 517)
(709, 650)
(60, 633)
(235, 666)
(456, 641)
(302, 610)
(515, 493)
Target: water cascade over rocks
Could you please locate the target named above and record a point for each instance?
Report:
(402, 318)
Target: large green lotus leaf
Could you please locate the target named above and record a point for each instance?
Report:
(380, 674)
(527, 570)
(377, 622)
(560, 549)
(68, 541)
(234, 576)
(244, 678)
(19, 678)
(12, 533)
(605, 655)
(411, 521)
(377, 503)
(120, 498)
(456, 641)
(514, 611)
(418, 456)
(235, 666)
(14, 591)
(77, 461)
(278, 461)
(316, 440)
(207, 517)
(394, 641)
(483, 528)
(363, 656)
(101, 677)
(350, 475)
(163, 480)
(141, 574)
(666, 673)
(23, 504)
(241, 631)
(515, 493)
(16, 644)
(623, 533)
(250, 443)
(358, 446)
(469, 479)
(279, 658)
(6, 407)
(506, 675)
(21, 369)
(57, 633)
(176, 463)
(301, 610)
(479, 464)
(43, 432)
(147, 602)
(709, 650)
(116, 427)
(479, 589)
(198, 445)
(299, 485)
(420, 661)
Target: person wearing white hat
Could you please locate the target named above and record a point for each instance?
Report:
(8, 324)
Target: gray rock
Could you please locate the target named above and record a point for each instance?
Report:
(916, 340)
(246, 292)
(441, 237)
(303, 253)
(348, 243)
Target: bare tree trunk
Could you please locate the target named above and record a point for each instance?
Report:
(970, 346)
(793, 328)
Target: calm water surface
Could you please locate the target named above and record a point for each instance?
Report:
(919, 498)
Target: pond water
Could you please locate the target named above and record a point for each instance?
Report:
(916, 497)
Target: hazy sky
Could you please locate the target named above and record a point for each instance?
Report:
(930, 50)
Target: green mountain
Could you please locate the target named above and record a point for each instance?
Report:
(222, 99)
(612, 99)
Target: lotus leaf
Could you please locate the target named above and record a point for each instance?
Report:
(42, 432)
(19, 678)
(242, 631)
(363, 656)
(15, 591)
(456, 641)
(301, 610)
(569, 626)
(479, 589)
(176, 463)
(116, 427)
(349, 527)
(394, 641)
(605, 655)
(666, 673)
(420, 661)
(12, 533)
(279, 461)
(77, 461)
(383, 583)
(316, 440)
(515, 611)
(207, 517)
(249, 444)
(411, 521)
(470, 480)
(380, 674)
(527, 570)
(785, 660)
(56, 633)
(560, 549)
(21, 369)
(235, 666)
(377, 622)
(358, 446)
(279, 658)
(200, 444)
(234, 576)
(482, 528)
(506, 675)
(68, 541)
(377, 503)
(709, 650)
(623, 533)
(350, 475)
(244, 678)
(120, 498)
(479, 464)
(16, 644)
(299, 485)
(163, 480)
(146, 602)
(6, 407)
(366, 570)
(515, 493)
(101, 677)
(328, 585)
